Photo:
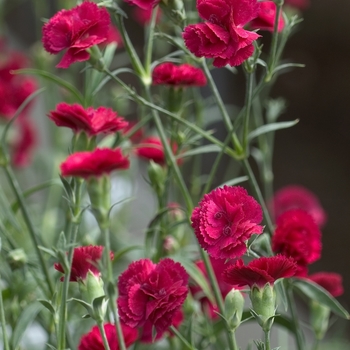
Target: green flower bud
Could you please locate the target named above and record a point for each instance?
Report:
(157, 176)
(91, 287)
(234, 305)
(319, 318)
(17, 258)
(264, 304)
(99, 193)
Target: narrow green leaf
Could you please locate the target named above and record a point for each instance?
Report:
(48, 251)
(26, 318)
(197, 276)
(287, 66)
(122, 252)
(316, 292)
(48, 305)
(200, 150)
(235, 181)
(55, 79)
(271, 127)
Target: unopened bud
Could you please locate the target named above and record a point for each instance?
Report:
(17, 258)
(170, 245)
(157, 176)
(319, 318)
(91, 287)
(234, 305)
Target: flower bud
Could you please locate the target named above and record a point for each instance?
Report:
(319, 319)
(170, 245)
(91, 287)
(157, 175)
(234, 305)
(17, 258)
(99, 193)
(264, 304)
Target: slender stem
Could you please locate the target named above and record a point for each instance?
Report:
(299, 337)
(149, 45)
(248, 107)
(3, 324)
(222, 108)
(235, 346)
(258, 194)
(274, 44)
(32, 232)
(182, 339)
(71, 238)
(217, 294)
(267, 340)
(103, 335)
(316, 344)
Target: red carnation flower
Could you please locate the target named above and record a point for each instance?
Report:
(266, 17)
(222, 36)
(297, 236)
(151, 148)
(151, 292)
(76, 30)
(224, 220)
(219, 266)
(144, 4)
(22, 146)
(93, 339)
(85, 259)
(330, 281)
(260, 271)
(298, 197)
(93, 121)
(147, 335)
(143, 16)
(96, 163)
(184, 75)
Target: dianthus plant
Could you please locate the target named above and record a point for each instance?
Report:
(121, 239)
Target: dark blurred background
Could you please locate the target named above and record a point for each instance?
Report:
(314, 153)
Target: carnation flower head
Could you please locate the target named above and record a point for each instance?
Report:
(224, 220)
(85, 259)
(151, 292)
(298, 197)
(143, 16)
(151, 148)
(93, 339)
(332, 282)
(183, 75)
(144, 4)
(260, 271)
(92, 121)
(95, 163)
(222, 35)
(266, 17)
(76, 30)
(297, 236)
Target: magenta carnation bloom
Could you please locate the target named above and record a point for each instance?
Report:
(224, 220)
(93, 339)
(93, 121)
(260, 271)
(85, 259)
(222, 36)
(151, 292)
(330, 281)
(143, 4)
(183, 75)
(76, 30)
(95, 163)
(298, 197)
(266, 17)
(297, 236)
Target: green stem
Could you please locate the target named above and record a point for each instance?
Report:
(316, 344)
(235, 346)
(3, 323)
(222, 108)
(299, 337)
(274, 43)
(111, 289)
(258, 194)
(71, 238)
(103, 335)
(181, 338)
(217, 294)
(248, 106)
(267, 340)
(32, 232)
(149, 45)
